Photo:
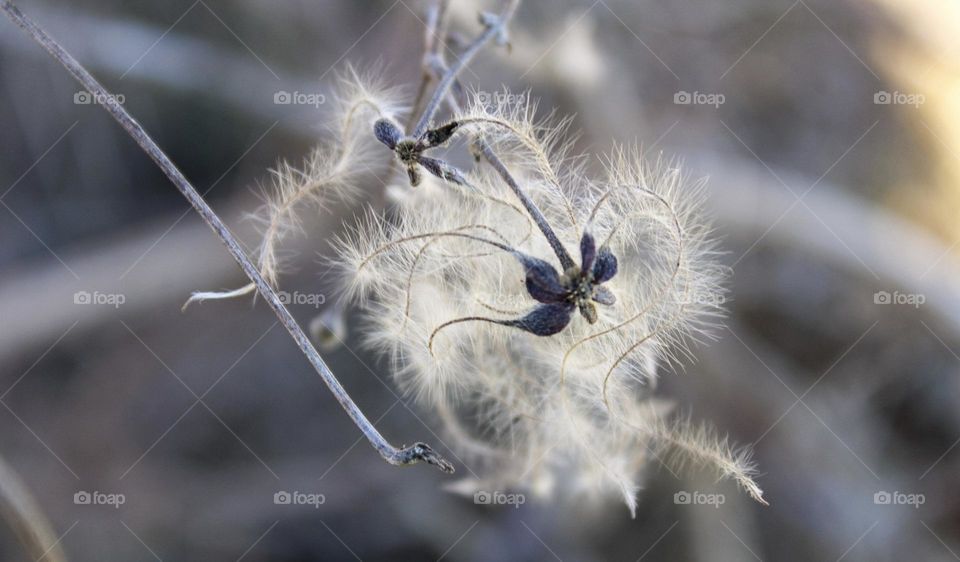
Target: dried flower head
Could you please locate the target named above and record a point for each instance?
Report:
(478, 320)
(410, 151)
(476, 307)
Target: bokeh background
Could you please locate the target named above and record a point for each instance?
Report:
(830, 132)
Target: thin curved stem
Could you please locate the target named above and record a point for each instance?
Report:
(492, 30)
(420, 253)
(508, 323)
(525, 140)
(423, 235)
(397, 456)
(434, 31)
(491, 157)
(558, 248)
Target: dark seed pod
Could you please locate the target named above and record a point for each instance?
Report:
(604, 296)
(589, 311)
(414, 174)
(387, 133)
(605, 267)
(442, 170)
(588, 251)
(546, 319)
(542, 280)
(440, 135)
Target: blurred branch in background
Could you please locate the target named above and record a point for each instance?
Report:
(418, 452)
(185, 65)
(24, 516)
(801, 297)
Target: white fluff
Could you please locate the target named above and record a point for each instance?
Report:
(573, 411)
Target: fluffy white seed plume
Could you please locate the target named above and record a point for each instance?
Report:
(327, 174)
(573, 410)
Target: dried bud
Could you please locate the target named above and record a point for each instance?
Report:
(605, 267)
(387, 133)
(443, 170)
(329, 328)
(440, 135)
(546, 319)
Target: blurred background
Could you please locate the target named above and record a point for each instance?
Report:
(830, 132)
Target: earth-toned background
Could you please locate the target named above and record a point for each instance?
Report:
(830, 132)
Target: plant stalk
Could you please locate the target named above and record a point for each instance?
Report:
(443, 92)
(493, 29)
(393, 455)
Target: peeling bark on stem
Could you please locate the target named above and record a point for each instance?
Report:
(418, 452)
